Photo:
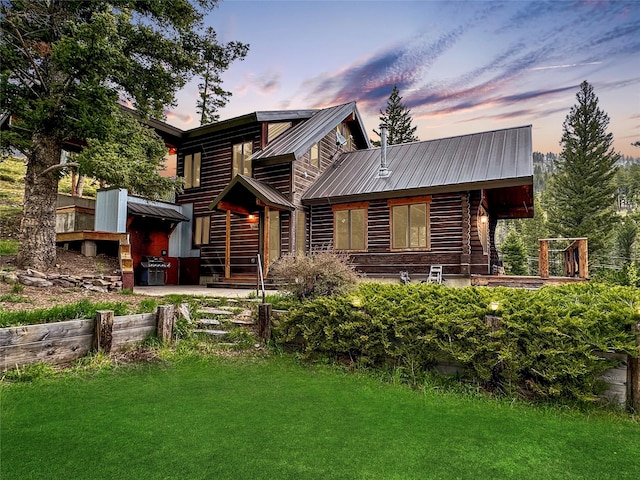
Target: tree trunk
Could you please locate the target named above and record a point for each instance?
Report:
(38, 225)
(80, 185)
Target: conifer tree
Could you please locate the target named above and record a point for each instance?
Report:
(514, 254)
(582, 193)
(397, 117)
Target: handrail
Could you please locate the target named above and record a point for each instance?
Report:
(261, 277)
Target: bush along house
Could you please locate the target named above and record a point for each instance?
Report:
(273, 183)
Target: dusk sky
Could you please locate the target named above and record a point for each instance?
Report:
(461, 67)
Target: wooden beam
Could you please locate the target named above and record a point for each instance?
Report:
(103, 333)
(633, 375)
(265, 243)
(229, 207)
(583, 258)
(165, 321)
(227, 247)
(543, 259)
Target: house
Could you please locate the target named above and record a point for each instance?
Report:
(286, 182)
(271, 183)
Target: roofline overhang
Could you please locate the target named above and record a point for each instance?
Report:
(240, 179)
(414, 192)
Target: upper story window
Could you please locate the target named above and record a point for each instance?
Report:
(314, 155)
(192, 170)
(241, 159)
(350, 226)
(410, 228)
(275, 129)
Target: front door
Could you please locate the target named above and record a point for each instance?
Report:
(270, 240)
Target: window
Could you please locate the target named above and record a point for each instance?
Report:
(350, 226)
(314, 155)
(192, 170)
(275, 129)
(410, 224)
(241, 159)
(201, 233)
(274, 236)
(301, 232)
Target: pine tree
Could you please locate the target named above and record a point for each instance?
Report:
(514, 255)
(397, 117)
(582, 193)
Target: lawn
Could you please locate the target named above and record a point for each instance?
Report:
(271, 418)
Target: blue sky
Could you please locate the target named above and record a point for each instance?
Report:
(461, 66)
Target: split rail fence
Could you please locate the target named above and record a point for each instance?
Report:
(63, 342)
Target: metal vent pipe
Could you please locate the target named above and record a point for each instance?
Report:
(384, 171)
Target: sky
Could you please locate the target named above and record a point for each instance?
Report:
(461, 66)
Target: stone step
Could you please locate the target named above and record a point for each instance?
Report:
(209, 321)
(217, 333)
(214, 311)
(240, 321)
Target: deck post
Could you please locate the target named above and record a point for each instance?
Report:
(543, 259)
(583, 258)
(227, 247)
(103, 333)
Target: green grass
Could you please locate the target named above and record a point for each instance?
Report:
(270, 418)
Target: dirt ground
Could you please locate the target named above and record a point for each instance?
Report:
(67, 263)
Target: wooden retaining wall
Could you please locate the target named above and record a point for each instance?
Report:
(63, 342)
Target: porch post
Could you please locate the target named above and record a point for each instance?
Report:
(265, 234)
(583, 257)
(227, 247)
(543, 259)
(465, 257)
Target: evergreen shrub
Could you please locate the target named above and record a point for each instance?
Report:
(548, 343)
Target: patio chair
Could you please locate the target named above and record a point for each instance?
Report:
(435, 274)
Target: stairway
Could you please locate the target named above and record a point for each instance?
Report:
(224, 324)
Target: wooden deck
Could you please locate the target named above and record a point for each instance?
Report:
(513, 281)
(90, 235)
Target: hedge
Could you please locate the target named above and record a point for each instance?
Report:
(549, 342)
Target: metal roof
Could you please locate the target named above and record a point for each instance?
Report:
(163, 213)
(236, 193)
(261, 116)
(499, 158)
(298, 140)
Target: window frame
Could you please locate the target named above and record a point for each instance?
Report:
(190, 161)
(408, 202)
(351, 207)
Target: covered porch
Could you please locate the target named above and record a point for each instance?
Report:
(257, 221)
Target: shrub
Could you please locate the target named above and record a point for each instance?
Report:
(315, 274)
(547, 345)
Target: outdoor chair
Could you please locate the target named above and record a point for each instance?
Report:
(435, 274)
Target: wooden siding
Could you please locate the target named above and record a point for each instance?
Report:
(446, 221)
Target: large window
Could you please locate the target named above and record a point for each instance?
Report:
(274, 236)
(275, 129)
(301, 232)
(241, 159)
(314, 155)
(350, 226)
(410, 224)
(201, 232)
(192, 170)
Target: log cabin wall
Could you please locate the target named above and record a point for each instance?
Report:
(215, 174)
(446, 229)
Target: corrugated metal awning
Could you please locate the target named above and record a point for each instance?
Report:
(152, 211)
(236, 194)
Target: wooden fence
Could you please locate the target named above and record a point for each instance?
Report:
(62, 342)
